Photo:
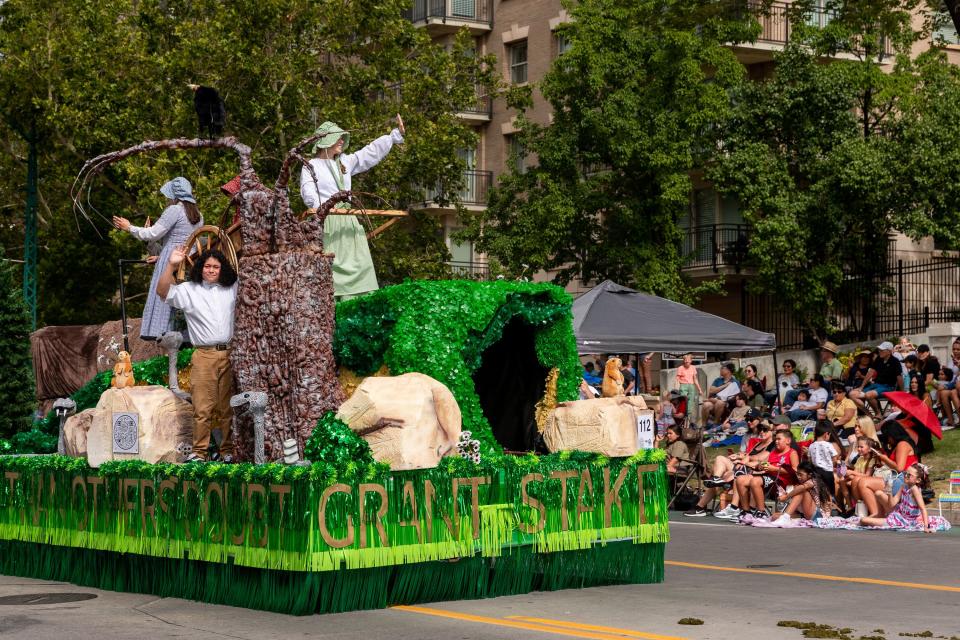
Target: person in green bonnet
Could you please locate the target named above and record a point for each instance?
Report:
(353, 273)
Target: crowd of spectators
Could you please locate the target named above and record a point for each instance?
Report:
(856, 458)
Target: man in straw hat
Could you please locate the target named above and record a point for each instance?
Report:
(831, 369)
(353, 273)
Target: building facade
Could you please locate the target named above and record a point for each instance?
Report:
(522, 34)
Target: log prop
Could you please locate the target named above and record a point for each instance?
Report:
(283, 327)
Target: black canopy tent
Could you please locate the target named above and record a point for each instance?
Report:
(614, 319)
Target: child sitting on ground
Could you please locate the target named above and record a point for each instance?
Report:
(863, 464)
(810, 497)
(908, 510)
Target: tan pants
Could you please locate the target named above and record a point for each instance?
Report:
(211, 385)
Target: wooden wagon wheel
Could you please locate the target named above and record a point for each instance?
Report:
(207, 237)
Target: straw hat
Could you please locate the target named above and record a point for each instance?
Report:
(829, 346)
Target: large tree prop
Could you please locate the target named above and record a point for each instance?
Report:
(285, 310)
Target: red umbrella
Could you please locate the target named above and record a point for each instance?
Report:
(916, 408)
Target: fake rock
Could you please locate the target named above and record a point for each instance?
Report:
(75, 433)
(602, 425)
(158, 426)
(410, 421)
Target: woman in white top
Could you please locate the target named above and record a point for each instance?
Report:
(176, 223)
(353, 273)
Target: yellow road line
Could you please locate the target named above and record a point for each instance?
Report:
(596, 627)
(819, 576)
(515, 624)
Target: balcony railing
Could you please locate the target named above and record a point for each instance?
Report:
(716, 245)
(474, 192)
(777, 23)
(478, 12)
(482, 106)
(470, 270)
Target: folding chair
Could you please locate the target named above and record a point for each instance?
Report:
(950, 497)
(692, 470)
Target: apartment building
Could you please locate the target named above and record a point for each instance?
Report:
(522, 35)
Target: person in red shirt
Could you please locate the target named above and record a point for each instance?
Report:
(779, 468)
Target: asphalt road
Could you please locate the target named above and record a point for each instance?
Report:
(739, 581)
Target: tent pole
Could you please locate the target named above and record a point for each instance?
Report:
(776, 383)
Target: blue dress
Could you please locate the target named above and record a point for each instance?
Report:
(172, 229)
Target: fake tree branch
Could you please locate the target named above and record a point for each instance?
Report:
(95, 166)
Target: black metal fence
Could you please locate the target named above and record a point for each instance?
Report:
(476, 187)
(777, 24)
(715, 246)
(483, 105)
(470, 270)
(905, 298)
(478, 11)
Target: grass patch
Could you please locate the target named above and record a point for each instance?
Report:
(944, 459)
(692, 621)
(919, 634)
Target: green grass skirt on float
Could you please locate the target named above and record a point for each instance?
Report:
(309, 539)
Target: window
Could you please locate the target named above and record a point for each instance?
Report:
(518, 62)
(563, 44)
(464, 9)
(819, 16)
(944, 31)
(518, 155)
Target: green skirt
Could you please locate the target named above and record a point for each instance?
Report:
(353, 273)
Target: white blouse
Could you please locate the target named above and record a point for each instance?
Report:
(314, 194)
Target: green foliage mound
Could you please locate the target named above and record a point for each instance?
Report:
(442, 328)
(335, 443)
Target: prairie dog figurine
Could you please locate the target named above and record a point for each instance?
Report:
(612, 378)
(123, 372)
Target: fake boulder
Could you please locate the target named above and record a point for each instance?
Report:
(410, 421)
(602, 425)
(145, 423)
(75, 430)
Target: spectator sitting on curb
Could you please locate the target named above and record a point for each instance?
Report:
(779, 469)
(809, 496)
(726, 468)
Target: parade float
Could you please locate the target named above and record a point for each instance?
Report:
(423, 442)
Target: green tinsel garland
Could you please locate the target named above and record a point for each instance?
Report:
(441, 329)
(299, 593)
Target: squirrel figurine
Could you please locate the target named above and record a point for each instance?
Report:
(612, 378)
(123, 372)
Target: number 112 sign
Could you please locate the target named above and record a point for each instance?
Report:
(645, 429)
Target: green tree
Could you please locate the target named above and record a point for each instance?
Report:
(104, 75)
(827, 158)
(16, 372)
(636, 103)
